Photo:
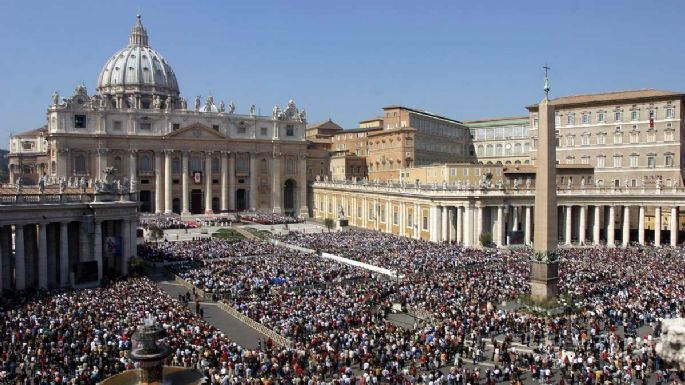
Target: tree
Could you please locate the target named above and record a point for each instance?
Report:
(329, 223)
(485, 239)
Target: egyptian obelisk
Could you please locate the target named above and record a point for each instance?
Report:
(545, 266)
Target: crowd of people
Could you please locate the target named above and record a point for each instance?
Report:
(268, 218)
(464, 306)
(162, 221)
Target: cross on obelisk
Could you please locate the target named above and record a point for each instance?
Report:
(545, 266)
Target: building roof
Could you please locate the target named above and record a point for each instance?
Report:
(319, 124)
(422, 112)
(530, 169)
(354, 130)
(504, 121)
(610, 97)
(371, 119)
(32, 133)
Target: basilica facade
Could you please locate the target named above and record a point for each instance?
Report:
(180, 156)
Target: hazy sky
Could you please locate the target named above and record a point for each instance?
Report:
(347, 59)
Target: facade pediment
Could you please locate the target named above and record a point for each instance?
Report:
(196, 131)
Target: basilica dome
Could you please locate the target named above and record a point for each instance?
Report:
(137, 70)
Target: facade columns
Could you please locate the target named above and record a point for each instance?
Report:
(208, 183)
(167, 182)
(126, 245)
(19, 258)
(529, 226)
(276, 187)
(674, 226)
(185, 179)
(435, 223)
(626, 226)
(610, 227)
(468, 225)
(657, 226)
(641, 225)
(132, 168)
(159, 194)
(302, 185)
(445, 227)
(595, 225)
(460, 225)
(515, 218)
(97, 248)
(479, 225)
(42, 256)
(500, 226)
(224, 181)
(253, 182)
(64, 254)
(418, 221)
(582, 225)
(6, 247)
(231, 181)
(569, 224)
(101, 162)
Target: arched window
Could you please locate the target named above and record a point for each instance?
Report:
(117, 163)
(488, 150)
(480, 150)
(195, 164)
(498, 149)
(80, 164)
(145, 163)
(175, 165)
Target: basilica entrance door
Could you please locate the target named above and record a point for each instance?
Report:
(196, 201)
(241, 199)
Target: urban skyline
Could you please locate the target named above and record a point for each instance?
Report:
(346, 72)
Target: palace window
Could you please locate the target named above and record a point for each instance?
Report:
(79, 121)
(195, 164)
(634, 115)
(395, 217)
(571, 119)
(175, 126)
(117, 163)
(651, 136)
(498, 149)
(117, 125)
(570, 141)
(668, 160)
(586, 118)
(634, 137)
(618, 116)
(668, 136)
(215, 127)
(670, 112)
(145, 163)
(618, 138)
(27, 145)
(145, 126)
(535, 122)
(601, 138)
(526, 147)
(585, 160)
(517, 148)
(290, 166)
(289, 130)
(618, 161)
(215, 164)
(359, 211)
(634, 160)
(410, 220)
(601, 161)
(262, 131)
(600, 117)
(651, 161)
(557, 120)
(425, 223)
(175, 165)
(585, 139)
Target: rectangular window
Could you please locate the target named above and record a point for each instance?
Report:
(571, 119)
(601, 162)
(466, 171)
(145, 126)
(585, 160)
(651, 137)
(215, 127)
(535, 123)
(618, 138)
(668, 136)
(585, 139)
(242, 129)
(453, 172)
(618, 116)
(601, 139)
(634, 115)
(395, 218)
(410, 220)
(175, 126)
(79, 121)
(618, 161)
(425, 223)
(557, 120)
(586, 118)
(27, 145)
(262, 131)
(289, 130)
(668, 160)
(634, 137)
(600, 117)
(634, 160)
(359, 211)
(651, 161)
(670, 113)
(117, 125)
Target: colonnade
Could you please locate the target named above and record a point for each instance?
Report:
(50, 254)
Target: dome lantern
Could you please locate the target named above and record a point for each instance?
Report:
(138, 34)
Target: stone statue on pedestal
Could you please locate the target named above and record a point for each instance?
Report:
(671, 348)
(41, 184)
(20, 186)
(62, 185)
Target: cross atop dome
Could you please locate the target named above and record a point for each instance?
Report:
(138, 34)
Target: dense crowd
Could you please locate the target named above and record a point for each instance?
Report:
(268, 218)
(463, 305)
(202, 249)
(162, 221)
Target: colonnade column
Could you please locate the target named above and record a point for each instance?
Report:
(610, 227)
(167, 182)
(97, 248)
(468, 225)
(595, 225)
(529, 226)
(418, 225)
(19, 258)
(231, 181)
(582, 225)
(208, 182)
(500, 226)
(641, 225)
(126, 246)
(6, 247)
(132, 167)
(626, 226)
(444, 229)
(224, 181)
(253, 181)
(460, 225)
(435, 223)
(185, 199)
(569, 221)
(674, 226)
(42, 255)
(159, 193)
(276, 187)
(657, 226)
(479, 225)
(64, 254)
